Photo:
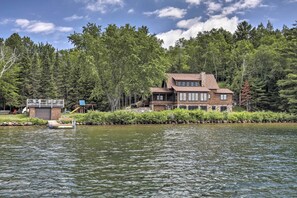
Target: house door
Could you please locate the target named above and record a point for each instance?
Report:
(43, 113)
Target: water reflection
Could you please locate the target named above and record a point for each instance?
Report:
(150, 161)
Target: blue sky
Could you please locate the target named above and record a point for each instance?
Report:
(53, 20)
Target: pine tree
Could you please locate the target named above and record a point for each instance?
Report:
(288, 85)
(35, 77)
(47, 81)
(246, 95)
(289, 92)
(259, 95)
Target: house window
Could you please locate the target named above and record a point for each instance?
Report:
(223, 96)
(193, 96)
(204, 108)
(223, 108)
(160, 97)
(183, 83)
(213, 108)
(182, 96)
(203, 96)
(192, 107)
(178, 83)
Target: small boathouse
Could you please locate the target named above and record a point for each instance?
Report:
(47, 109)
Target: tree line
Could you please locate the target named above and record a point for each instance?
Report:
(104, 66)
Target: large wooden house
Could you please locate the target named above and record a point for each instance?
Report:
(191, 91)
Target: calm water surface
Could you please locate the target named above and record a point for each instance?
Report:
(150, 161)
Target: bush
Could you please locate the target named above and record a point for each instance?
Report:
(197, 115)
(122, 117)
(180, 115)
(153, 117)
(214, 116)
(231, 117)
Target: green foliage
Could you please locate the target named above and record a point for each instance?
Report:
(179, 116)
(155, 117)
(37, 121)
(108, 64)
(124, 60)
(21, 119)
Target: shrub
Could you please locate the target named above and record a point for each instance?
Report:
(181, 115)
(197, 115)
(231, 117)
(256, 117)
(153, 117)
(214, 116)
(122, 117)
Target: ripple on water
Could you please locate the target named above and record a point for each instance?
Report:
(150, 161)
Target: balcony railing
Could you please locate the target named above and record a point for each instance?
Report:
(45, 103)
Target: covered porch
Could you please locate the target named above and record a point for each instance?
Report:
(162, 99)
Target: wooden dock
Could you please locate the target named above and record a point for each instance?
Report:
(53, 124)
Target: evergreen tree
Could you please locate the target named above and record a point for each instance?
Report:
(259, 95)
(246, 95)
(288, 85)
(243, 31)
(35, 77)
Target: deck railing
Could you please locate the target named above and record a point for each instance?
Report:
(45, 103)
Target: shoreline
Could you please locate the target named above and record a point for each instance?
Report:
(18, 124)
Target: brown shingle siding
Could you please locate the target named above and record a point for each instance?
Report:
(209, 86)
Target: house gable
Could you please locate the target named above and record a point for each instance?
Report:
(191, 91)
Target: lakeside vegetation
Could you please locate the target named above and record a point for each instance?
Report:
(176, 116)
(20, 119)
(179, 116)
(258, 63)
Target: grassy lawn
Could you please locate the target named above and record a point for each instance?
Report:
(20, 118)
(13, 118)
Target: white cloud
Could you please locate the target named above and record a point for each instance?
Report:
(39, 27)
(241, 5)
(64, 29)
(130, 11)
(169, 38)
(188, 23)
(22, 22)
(228, 1)
(102, 5)
(5, 21)
(168, 12)
(194, 2)
(213, 7)
(194, 26)
(73, 17)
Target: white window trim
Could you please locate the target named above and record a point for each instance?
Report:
(223, 96)
(203, 96)
(182, 96)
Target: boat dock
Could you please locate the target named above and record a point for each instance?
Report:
(54, 124)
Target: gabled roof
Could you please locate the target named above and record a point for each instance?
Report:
(160, 90)
(175, 76)
(211, 82)
(224, 91)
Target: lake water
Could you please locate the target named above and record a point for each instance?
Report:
(238, 160)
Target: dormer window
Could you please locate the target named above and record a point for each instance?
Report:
(188, 83)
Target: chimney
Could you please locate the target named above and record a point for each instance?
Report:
(203, 79)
